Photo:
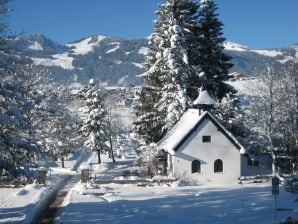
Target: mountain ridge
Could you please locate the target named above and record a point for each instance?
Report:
(112, 58)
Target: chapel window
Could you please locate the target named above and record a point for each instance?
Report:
(196, 166)
(206, 138)
(218, 166)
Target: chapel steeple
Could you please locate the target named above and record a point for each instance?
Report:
(204, 102)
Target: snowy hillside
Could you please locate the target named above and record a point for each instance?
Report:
(36, 46)
(111, 59)
(86, 45)
(230, 46)
(60, 60)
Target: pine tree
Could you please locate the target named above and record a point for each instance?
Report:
(94, 126)
(174, 74)
(164, 97)
(147, 126)
(211, 57)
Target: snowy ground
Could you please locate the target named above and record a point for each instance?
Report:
(131, 204)
(22, 205)
(115, 203)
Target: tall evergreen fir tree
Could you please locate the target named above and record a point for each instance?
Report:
(147, 126)
(215, 65)
(211, 57)
(95, 124)
(164, 97)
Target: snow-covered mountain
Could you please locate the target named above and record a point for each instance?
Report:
(107, 58)
(252, 61)
(111, 59)
(282, 52)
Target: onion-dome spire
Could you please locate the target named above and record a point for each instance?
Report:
(204, 101)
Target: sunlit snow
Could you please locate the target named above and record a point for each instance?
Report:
(238, 47)
(36, 46)
(60, 60)
(132, 204)
(139, 65)
(86, 45)
(269, 53)
(234, 46)
(115, 45)
(143, 50)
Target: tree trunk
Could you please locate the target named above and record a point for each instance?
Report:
(98, 156)
(62, 162)
(270, 120)
(112, 151)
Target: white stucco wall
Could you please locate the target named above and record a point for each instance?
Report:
(220, 147)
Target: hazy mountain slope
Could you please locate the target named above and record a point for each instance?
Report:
(110, 59)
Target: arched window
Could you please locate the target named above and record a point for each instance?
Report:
(196, 166)
(218, 166)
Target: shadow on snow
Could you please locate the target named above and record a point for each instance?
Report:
(192, 205)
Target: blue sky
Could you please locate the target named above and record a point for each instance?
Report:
(255, 23)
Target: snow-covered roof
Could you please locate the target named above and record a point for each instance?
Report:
(204, 98)
(185, 127)
(179, 131)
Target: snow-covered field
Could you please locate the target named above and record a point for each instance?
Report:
(128, 203)
(166, 204)
(115, 203)
(22, 205)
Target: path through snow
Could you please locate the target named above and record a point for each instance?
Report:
(49, 214)
(24, 205)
